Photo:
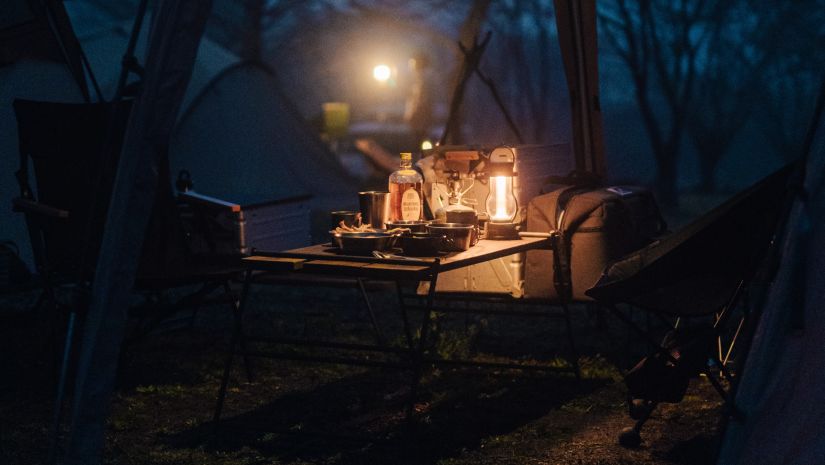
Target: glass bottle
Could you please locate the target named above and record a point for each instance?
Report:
(405, 186)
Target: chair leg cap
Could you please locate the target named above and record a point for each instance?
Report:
(630, 438)
(638, 409)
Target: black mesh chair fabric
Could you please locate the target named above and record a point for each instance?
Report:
(74, 151)
(695, 271)
(72, 171)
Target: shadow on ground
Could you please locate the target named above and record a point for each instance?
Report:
(361, 419)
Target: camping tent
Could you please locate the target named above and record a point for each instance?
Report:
(257, 147)
(243, 141)
(782, 391)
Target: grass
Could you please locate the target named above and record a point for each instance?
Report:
(303, 413)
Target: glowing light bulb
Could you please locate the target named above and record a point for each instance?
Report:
(381, 73)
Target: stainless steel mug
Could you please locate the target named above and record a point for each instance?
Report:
(348, 218)
(375, 208)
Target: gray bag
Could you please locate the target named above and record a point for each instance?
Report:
(593, 227)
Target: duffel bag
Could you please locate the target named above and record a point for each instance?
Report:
(592, 227)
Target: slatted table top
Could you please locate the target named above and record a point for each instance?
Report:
(323, 258)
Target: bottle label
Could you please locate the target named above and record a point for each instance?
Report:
(411, 205)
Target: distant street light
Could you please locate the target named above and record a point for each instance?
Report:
(381, 73)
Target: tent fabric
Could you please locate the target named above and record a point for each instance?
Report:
(782, 391)
(243, 141)
(176, 28)
(238, 134)
(704, 260)
(576, 25)
(305, 164)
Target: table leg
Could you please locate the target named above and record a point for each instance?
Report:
(417, 357)
(237, 337)
(402, 305)
(236, 313)
(379, 336)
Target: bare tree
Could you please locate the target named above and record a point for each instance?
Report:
(659, 41)
(786, 110)
(468, 35)
(727, 86)
(757, 56)
(792, 78)
(526, 58)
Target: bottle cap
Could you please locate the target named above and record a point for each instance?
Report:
(406, 155)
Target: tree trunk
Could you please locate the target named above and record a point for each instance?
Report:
(666, 179)
(707, 169)
(469, 31)
(252, 45)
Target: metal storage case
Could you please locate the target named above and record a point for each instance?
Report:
(219, 227)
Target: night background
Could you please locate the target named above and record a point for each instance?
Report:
(699, 99)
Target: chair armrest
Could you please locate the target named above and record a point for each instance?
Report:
(20, 204)
(193, 198)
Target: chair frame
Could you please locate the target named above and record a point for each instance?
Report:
(39, 217)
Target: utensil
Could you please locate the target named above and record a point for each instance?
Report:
(375, 208)
(378, 254)
(421, 244)
(458, 236)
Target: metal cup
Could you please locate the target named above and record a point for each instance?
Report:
(465, 217)
(349, 218)
(375, 208)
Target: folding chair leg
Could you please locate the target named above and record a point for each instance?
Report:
(235, 308)
(631, 437)
(574, 353)
(237, 339)
(194, 315)
(247, 362)
(225, 378)
(61, 389)
(730, 408)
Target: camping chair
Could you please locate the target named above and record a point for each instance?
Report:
(74, 150)
(700, 272)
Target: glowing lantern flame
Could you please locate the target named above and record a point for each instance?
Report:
(501, 199)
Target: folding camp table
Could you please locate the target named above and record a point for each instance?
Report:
(324, 260)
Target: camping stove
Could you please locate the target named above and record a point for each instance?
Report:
(470, 171)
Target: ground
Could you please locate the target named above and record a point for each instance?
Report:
(306, 413)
